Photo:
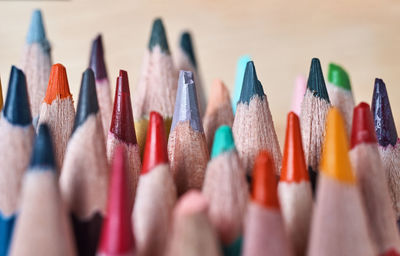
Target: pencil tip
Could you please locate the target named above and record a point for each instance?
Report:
(116, 233)
(16, 108)
(335, 160)
(122, 124)
(97, 63)
(363, 126)
(43, 154)
(36, 33)
(57, 87)
(240, 69)
(385, 127)
(187, 46)
(338, 76)
(158, 36)
(293, 163)
(186, 106)
(155, 151)
(1, 96)
(264, 191)
(191, 202)
(316, 82)
(223, 141)
(251, 85)
(87, 102)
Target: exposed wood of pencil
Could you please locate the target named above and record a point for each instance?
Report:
(192, 233)
(218, 112)
(342, 99)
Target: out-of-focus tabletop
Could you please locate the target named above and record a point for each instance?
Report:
(280, 36)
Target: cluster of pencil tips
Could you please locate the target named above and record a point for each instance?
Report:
(167, 174)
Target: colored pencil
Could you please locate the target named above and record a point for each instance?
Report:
(340, 94)
(117, 237)
(156, 193)
(218, 112)
(122, 132)
(339, 224)
(253, 127)
(371, 177)
(226, 189)
(240, 69)
(42, 210)
(156, 90)
(186, 60)
(36, 62)
(314, 110)
(298, 94)
(187, 147)
(389, 146)
(1, 96)
(192, 233)
(265, 232)
(98, 65)
(58, 111)
(84, 177)
(294, 188)
(16, 140)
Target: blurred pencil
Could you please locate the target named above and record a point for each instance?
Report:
(36, 62)
(218, 112)
(314, 109)
(16, 140)
(340, 94)
(265, 232)
(186, 60)
(339, 224)
(156, 193)
(98, 65)
(187, 147)
(226, 189)
(294, 188)
(122, 132)
(253, 127)
(58, 111)
(298, 94)
(388, 141)
(42, 209)
(1, 96)
(240, 69)
(84, 177)
(117, 237)
(156, 90)
(192, 233)
(371, 177)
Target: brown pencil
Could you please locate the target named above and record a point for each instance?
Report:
(85, 173)
(218, 112)
(187, 148)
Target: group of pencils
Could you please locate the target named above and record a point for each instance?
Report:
(169, 174)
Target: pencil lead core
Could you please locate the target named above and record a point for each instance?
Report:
(251, 85)
(363, 130)
(187, 46)
(223, 141)
(57, 87)
(43, 154)
(338, 77)
(97, 63)
(316, 82)
(158, 36)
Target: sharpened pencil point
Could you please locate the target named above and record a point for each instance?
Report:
(186, 106)
(97, 63)
(240, 69)
(87, 103)
(316, 82)
(338, 76)
(385, 128)
(155, 152)
(36, 33)
(293, 163)
(1, 96)
(158, 36)
(223, 141)
(251, 85)
(122, 124)
(264, 190)
(16, 108)
(363, 125)
(335, 160)
(187, 46)
(43, 154)
(57, 87)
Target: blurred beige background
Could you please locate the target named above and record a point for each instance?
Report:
(281, 36)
